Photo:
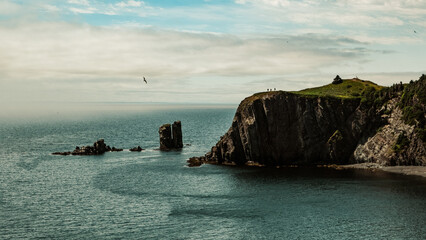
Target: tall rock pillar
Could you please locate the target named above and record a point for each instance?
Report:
(171, 136)
(166, 141)
(177, 134)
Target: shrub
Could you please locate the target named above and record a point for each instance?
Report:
(401, 143)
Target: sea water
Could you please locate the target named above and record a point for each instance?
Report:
(154, 195)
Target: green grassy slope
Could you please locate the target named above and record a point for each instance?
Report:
(349, 88)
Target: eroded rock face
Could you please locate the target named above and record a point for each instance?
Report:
(166, 141)
(282, 128)
(171, 136)
(381, 147)
(177, 134)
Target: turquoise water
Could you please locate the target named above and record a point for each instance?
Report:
(153, 195)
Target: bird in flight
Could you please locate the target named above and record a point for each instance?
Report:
(415, 31)
(145, 80)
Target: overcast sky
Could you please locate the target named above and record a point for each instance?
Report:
(211, 51)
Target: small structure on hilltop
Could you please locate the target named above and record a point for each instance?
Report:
(337, 80)
(171, 136)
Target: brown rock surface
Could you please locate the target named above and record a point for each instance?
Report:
(166, 141)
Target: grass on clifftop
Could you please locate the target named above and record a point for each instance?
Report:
(349, 88)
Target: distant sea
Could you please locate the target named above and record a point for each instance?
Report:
(154, 195)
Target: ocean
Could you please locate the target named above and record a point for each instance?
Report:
(154, 195)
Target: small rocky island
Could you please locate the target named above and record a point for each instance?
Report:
(170, 139)
(98, 148)
(348, 121)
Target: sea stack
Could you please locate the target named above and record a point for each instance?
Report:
(166, 141)
(177, 134)
(171, 136)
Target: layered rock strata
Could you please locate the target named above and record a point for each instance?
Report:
(171, 136)
(282, 128)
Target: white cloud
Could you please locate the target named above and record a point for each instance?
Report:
(130, 3)
(61, 60)
(79, 2)
(83, 10)
(66, 49)
(9, 8)
(343, 12)
(51, 8)
(67, 61)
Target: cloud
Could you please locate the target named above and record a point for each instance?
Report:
(61, 49)
(63, 60)
(79, 2)
(83, 10)
(272, 43)
(51, 8)
(343, 12)
(9, 8)
(130, 3)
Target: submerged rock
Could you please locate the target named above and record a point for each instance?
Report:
(136, 149)
(113, 149)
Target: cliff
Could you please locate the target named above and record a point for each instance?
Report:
(333, 124)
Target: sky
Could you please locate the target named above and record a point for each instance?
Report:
(211, 51)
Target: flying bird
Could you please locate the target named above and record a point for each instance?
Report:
(415, 31)
(145, 80)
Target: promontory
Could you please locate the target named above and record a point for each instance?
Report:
(348, 121)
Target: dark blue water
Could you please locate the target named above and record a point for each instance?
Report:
(153, 195)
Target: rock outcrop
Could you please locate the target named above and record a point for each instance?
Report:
(396, 142)
(136, 149)
(166, 140)
(98, 148)
(282, 128)
(171, 136)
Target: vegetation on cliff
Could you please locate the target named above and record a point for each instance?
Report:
(344, 89)
(413, 105)
(348, 88)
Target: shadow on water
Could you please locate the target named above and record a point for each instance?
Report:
(175, 180)
(329, 178)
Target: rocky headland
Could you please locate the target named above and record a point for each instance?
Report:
(346, 122)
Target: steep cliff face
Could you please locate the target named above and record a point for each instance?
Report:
(400, 141)
(282, 128)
